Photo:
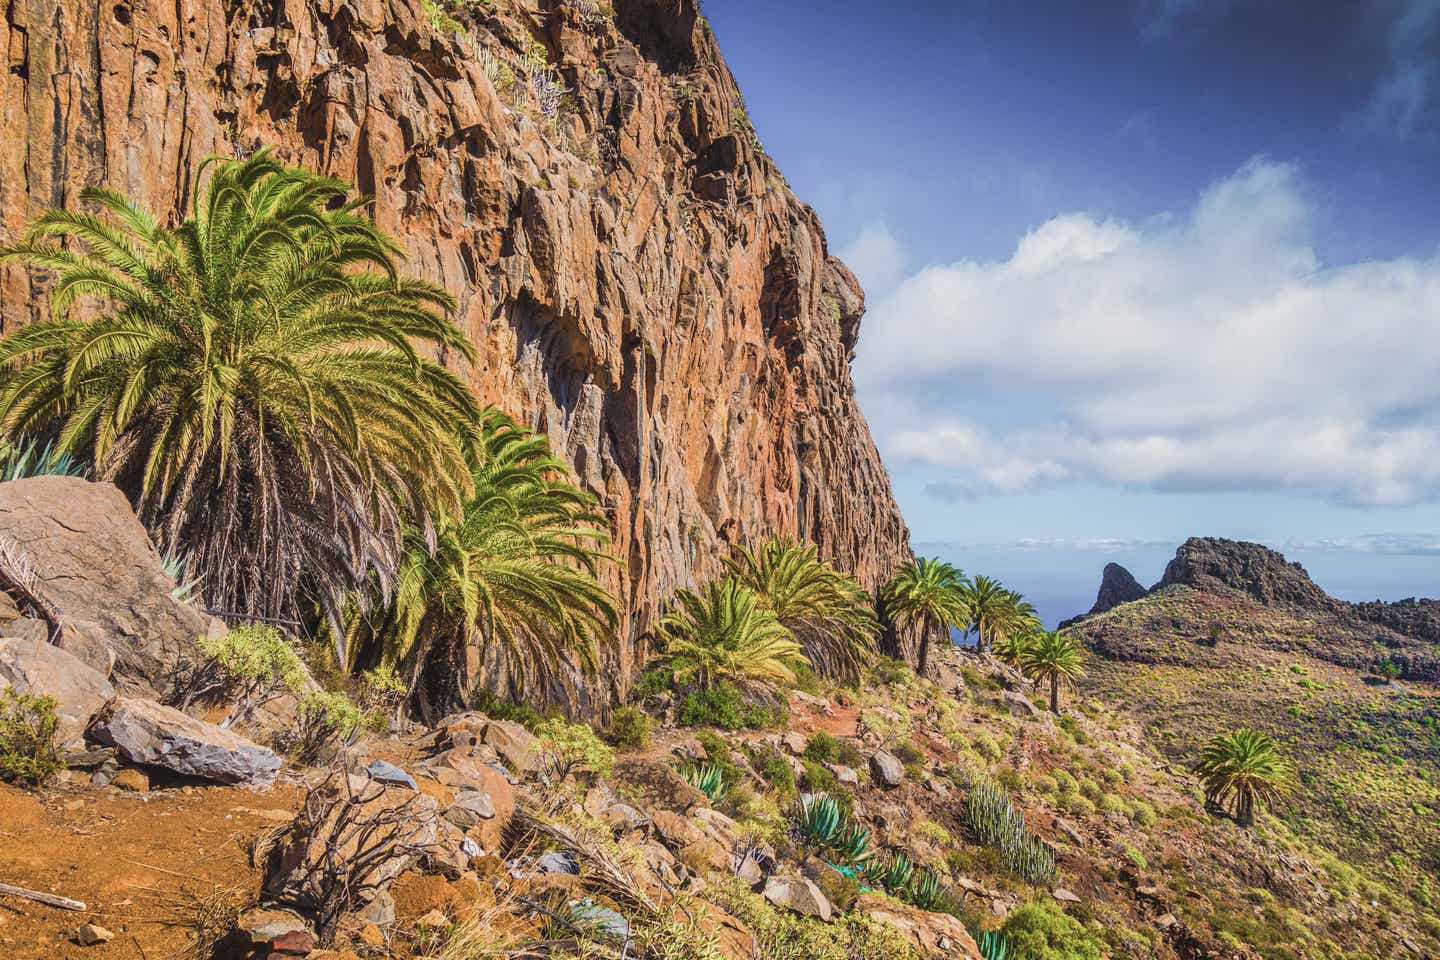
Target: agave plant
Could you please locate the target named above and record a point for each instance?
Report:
(995, 822)
(708, 778)
(925, 890)
(852, 846)
(893, 872)
(993, 945)
(28, 457)
(177, 566)
(820, 819)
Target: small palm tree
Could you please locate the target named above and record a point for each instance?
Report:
(510, 580)
(249, 378)
(931, 592)
(726, 633)
(1242, 768)
(1009, 647)
(827, 611)
(1052, 657)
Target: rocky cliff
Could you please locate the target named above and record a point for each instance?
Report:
(637, 276)
(1248, 567)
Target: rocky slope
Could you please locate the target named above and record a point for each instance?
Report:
(637, 276)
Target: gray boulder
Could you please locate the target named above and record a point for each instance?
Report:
(886, 768)
(36, 667)
(96, 572)
(156, 735)
(799, 894)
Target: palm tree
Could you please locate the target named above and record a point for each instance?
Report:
(249, 378)
(726, 633)
(932, 592)
(991, 610)
(508, 584)
(1051, 656)
(827, 611)
(1009, 647)
(1241, 768)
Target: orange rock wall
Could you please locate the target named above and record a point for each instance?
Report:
(638, 277)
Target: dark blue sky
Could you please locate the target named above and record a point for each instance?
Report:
(1137, 270)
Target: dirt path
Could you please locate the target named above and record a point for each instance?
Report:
(132, 858)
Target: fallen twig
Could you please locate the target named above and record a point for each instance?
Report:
(49, 899)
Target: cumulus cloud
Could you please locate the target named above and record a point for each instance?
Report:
(1385, 544)
(1204, 350)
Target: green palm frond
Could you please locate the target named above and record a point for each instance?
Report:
(251, 378)
(1054, 658)
(726, 633)
(1243, 768)
(931, 592)
(828, 612)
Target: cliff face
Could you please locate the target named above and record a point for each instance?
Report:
(638, 278)
(1248, 567)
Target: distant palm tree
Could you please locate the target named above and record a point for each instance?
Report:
(512, 576)
(726, 633)
(931, 592)
(1008, 648)
(249, 378)
(1053, 657)
(992, 610)
(831, 616)
(1242, 768)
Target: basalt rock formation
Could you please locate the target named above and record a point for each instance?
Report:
(1117, 586)
(1248, 567)
(638, 278)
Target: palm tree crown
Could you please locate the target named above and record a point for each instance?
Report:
(508, 584)
(726, 633)
(249, 378)
(932, 592)
(1053, 657)
(827, 611)
(1241, 768)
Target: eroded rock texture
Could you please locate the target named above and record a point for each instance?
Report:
(638, 277)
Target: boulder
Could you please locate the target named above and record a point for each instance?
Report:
(386, 772)
(931, 934)
(660, 783)
(517, 746)
(799, 894)
(38, 667)
(886, 768)
(848, 776)
(95, 566)
(794, 741)
(675, 830)
(1020, 705)
(150, 733)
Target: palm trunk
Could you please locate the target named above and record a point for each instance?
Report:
(1245, 812)
(925, 629)
(1055, 693)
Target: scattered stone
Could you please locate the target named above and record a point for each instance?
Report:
(659, 782)
(92, 935)
(932, 934)
(260, 927)
(794, 741)
(147, 732)
(675, 830)
(36, 666)
(600, 920)
(1073, 835)
(434, 919)
(622, 818)
(705, 855)
(886, 768)
(848, 776)
(386, 772)
(1020, 705)
(517, 746)
(132, 779)
(1064, 895)
(799, 894)
(557, 862)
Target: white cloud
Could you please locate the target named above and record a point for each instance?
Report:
(1387, 544)
(877, 259)
(1206, 350)
(1401, 99)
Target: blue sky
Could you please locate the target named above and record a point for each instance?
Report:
(1137, 271)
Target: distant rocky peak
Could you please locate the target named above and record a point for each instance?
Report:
(1117, 586)
(1263, 573)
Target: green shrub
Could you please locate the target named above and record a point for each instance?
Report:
(773, 767)
(821, 747)
(1110, 803)
(27, 737)
(572, 746)
(912, 757)
(1042, 931)
(322, 721)
(888, 672)
(781, 935)
(818, 778)
(1143, 814)
(654, 681)
(380, 694)
(521, 713)
(985, 745)
(847, 752)
(724, 705)
(251, 665)
(1064, 782)
(629, 727)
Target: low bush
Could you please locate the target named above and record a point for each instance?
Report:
(781, 935)
(497, 709)
(629, 727)
(322, 722)
(821, 747)
(986, 745)
(725, 705)
(773, 767)
(27, 738)
(380, 693)
(569, 747)
(1042, 931)
(251, 665)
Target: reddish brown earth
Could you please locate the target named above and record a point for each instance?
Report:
(639, 279)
